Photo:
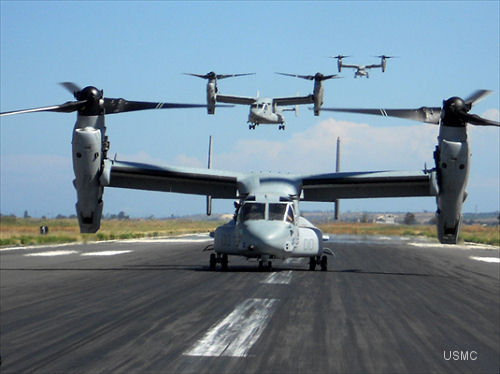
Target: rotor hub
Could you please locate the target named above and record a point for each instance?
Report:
(93, 98)
(453, 112)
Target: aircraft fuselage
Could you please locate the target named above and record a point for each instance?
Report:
(262, 112)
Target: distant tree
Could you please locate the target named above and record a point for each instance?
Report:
(122, 216)
(409, 219)
(26, 214)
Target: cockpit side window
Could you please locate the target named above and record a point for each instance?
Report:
(253, 211)
(289, 214)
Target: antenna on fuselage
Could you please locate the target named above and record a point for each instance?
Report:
(209, 197)
(337, 169)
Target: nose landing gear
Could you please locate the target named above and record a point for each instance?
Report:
(317, 260)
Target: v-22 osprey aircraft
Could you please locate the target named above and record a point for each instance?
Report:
(362, 70)
(267, 111)
(267, 224)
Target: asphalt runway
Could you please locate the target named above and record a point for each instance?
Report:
(385, 305)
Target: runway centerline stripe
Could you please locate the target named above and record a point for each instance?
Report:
(235, 335)
(282, 277)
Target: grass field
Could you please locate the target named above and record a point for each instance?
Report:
(25, 231)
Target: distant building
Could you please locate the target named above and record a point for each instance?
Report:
(386, 219)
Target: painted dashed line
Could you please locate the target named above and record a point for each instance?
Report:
(50, 254)
(235, 335)
(106, 253)
(494, 260)
(282, 277)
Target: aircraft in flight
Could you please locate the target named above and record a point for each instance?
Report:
(362, 70)
(267, 224)
(266, 111)
(318, 90)
(212, 88)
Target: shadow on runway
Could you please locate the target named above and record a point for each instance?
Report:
(359, 271)
(231, 269)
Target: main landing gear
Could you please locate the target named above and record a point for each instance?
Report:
(281, 127)
(222, 259)
(265, 265)
(317, 260)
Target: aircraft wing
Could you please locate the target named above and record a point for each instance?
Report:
(351, 66)
(294, 100)
(124, 174)
(235, 99)
(332, 186)
(372, 66)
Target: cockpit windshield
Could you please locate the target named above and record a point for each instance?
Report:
(253, 211)
(275, 212)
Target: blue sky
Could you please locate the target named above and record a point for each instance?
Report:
(139, 50)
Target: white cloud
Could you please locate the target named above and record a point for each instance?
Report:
(491, 114)
(363, 147)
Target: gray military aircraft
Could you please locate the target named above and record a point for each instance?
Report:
(362, 70)
(267, 224)
(266, 110)
(318, 87)
(212, 88)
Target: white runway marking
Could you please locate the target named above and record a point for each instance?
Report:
(188, 238)
(293, 260)
(465, 246)
(486, 259)
(50, 253)
(106, 253)
(236, 334)
(282, 277)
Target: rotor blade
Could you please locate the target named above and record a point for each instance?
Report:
(477, 96)
(325, 77)
(423, 114)
(204, 76)
(474, 119)
(67, 107)
(223, 76)
(112, 106)
(308, 77)
(71, 87)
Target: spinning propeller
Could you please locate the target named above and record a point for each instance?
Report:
(90, 101)
(316, 77)
(213, 76)
(454, 112)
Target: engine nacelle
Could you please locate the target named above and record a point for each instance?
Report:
(452, 165)
(318, 96)
(87, 166)
(211, 92)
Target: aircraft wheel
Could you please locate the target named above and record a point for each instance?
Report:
(224, 261)
(324, 263)
(213, 261)
(312, 263)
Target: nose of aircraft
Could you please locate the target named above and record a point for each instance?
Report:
(268, 236)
